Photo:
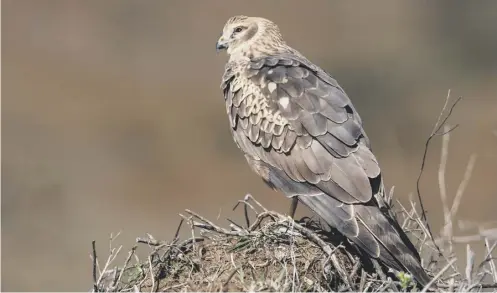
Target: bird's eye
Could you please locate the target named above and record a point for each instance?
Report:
(238, 29)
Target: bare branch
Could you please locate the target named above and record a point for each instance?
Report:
(440, 123)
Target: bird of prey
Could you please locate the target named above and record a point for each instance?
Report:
(300, 133)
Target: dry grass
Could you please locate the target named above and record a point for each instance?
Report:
(276, 253)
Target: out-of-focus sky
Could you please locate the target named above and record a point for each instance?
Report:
(112, 116)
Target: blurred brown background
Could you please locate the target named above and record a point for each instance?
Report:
(112, 117)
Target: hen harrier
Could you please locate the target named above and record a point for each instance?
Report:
(300, 132)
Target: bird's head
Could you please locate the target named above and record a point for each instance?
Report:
(249, 36)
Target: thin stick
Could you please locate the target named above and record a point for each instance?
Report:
(488, 258)
(246, 205)
(463, 185)
(178, 229)
(94, 253)
(447, 231)
(151, 242)
(482, 286)
(245, 213)
(211, 226)
(259, 220)
(439, 275)
(235, 226)
(151, 274)
(434, 133)
(249, 196)
(470, 260)
(128, 259)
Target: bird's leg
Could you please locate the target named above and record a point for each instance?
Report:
(293, 206)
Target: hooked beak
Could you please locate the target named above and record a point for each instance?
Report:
(221, 44)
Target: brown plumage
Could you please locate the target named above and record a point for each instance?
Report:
(300, 132)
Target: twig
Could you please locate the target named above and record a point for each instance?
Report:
(218, 229)
(110, 259)
(246, 204)
(482, 286)
(190, 241)
(178, 229)
(152, 275)
(440, 123)
(447, 231)
(250, 197)
(126, 262)
(470, 260)
(437, 276)
(192, 230)
(488, 258)
(260, 218)
(463, 185)
(211, 226)
(295, 277)
(94, 254)
(235, 226)
(151, 242)
(245, 210)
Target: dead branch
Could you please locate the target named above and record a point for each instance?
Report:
(435, 132)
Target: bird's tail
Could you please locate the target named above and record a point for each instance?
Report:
(373, 231)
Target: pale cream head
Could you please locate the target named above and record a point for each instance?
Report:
(245, 36)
